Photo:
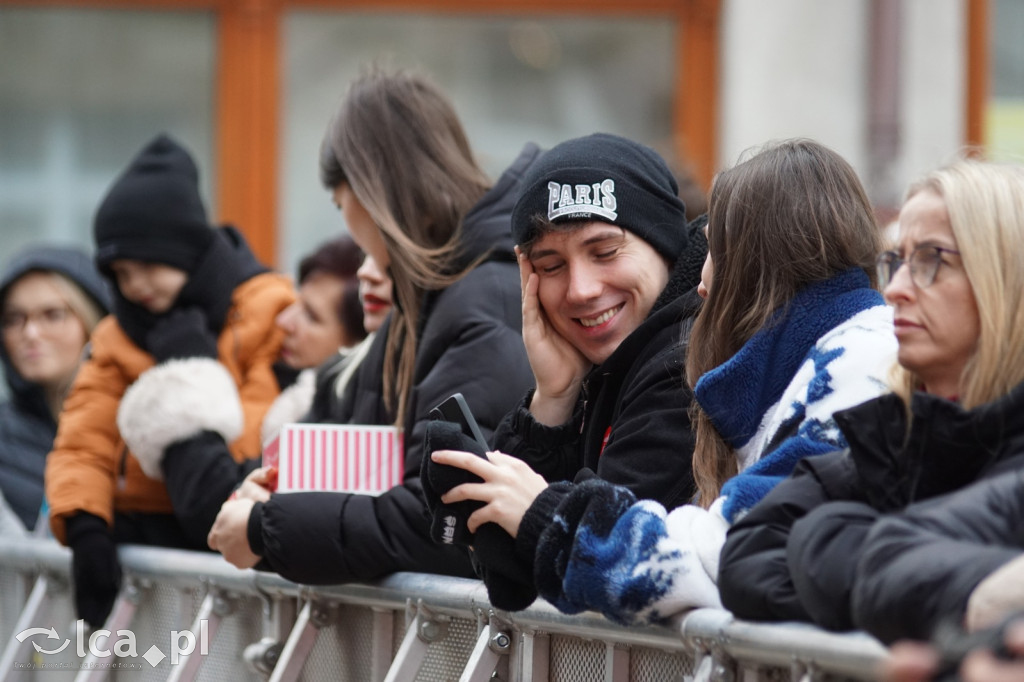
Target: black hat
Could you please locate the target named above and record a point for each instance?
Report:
(153, 211)
(608, 178)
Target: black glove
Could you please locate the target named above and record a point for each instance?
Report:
(181, 333)
(448, 521)
(509, 580)
(94, 567)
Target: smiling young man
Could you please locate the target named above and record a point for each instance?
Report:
(609, 267)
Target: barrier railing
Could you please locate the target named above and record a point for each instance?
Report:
(191, 616)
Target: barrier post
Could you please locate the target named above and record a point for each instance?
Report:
(120, 618)
(35, 610)
(422, 631)
(491, 644)
(616, 663)
(311, 618)
(216, 605)
(531, 658)
(383, 642)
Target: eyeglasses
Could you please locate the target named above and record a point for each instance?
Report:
(46, 319)
(924, 262)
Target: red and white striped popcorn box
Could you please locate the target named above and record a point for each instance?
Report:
(337, 457)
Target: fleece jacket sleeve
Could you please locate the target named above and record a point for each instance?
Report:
(607, 552)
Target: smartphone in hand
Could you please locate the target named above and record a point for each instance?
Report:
(455, 409)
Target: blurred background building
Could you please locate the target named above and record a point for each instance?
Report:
(896, 86)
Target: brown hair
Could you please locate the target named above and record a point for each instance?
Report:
(792, 214)
(398, 143)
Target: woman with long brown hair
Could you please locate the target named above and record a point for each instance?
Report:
(400, 169)
(791, 236)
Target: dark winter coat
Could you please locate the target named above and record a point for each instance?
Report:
(630, 425)
(793, 557)
(27, 427)
(470, 342)
(918, 568)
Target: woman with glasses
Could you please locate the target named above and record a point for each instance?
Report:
(50, 299)
(956, 414)
(914, 575)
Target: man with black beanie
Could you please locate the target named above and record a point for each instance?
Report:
(609, 268)
(182, 366)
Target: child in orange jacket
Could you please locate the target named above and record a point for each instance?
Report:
(183, 363)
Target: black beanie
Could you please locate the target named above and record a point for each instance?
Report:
(153, 211)
(608, 178)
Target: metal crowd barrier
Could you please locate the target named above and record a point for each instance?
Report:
(192, 616)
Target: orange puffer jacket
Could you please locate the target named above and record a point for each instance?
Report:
(91, 468)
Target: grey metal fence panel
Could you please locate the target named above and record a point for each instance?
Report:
(576, 660)
(13, 593)
(651, 665)
(239, 628)
(343, 649)
(447, 657)
(359, 629)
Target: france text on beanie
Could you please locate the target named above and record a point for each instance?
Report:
(153, 211)
(608, 178)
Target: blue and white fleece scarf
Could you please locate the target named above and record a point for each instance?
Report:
(773, 401)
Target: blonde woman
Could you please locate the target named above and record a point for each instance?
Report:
(50, 300)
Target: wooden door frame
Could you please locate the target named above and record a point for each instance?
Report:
(978, 72)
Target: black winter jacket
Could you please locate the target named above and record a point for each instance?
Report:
(918, 568)
(793, 557)
(27, 428)
(630, 425)
(471, 341)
